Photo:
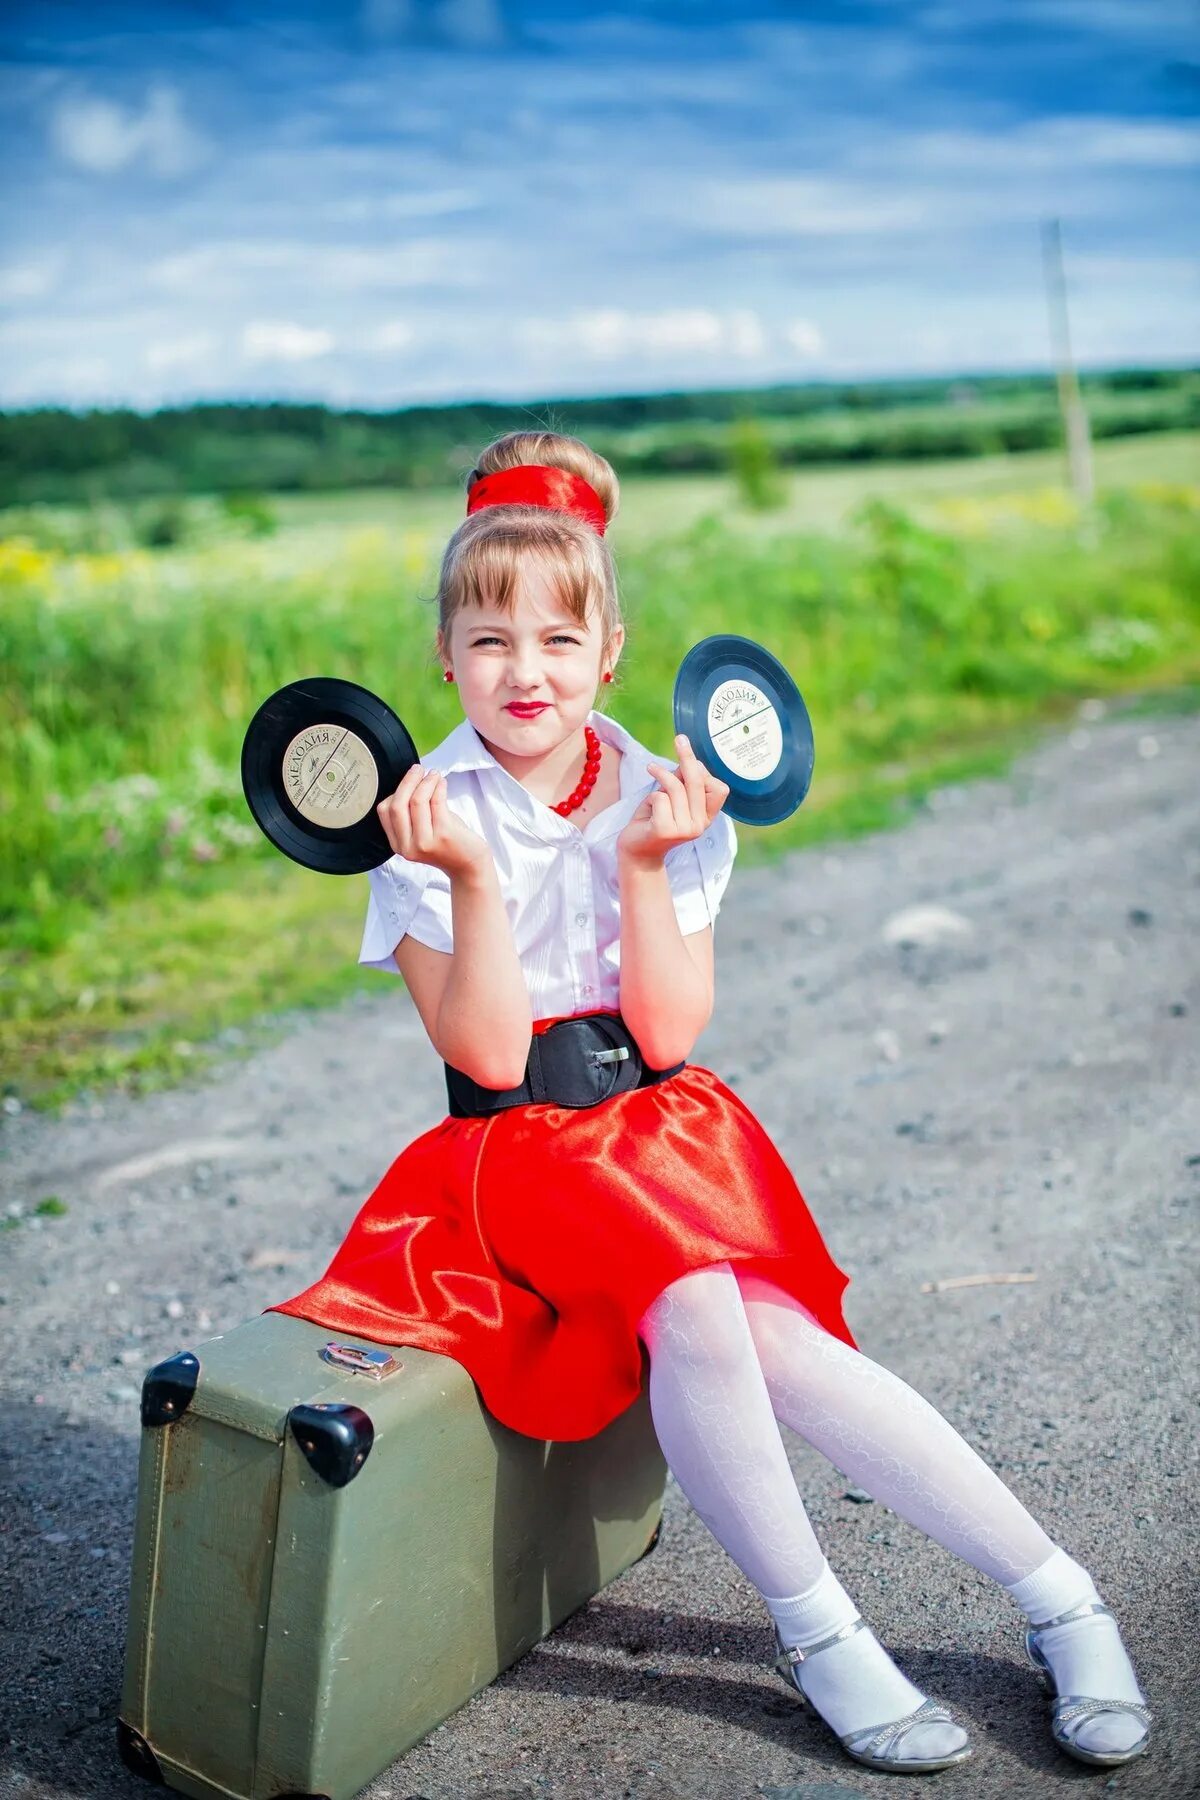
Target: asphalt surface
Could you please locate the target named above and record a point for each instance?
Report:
(1018, 1096)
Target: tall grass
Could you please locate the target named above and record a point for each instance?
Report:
(130, 679)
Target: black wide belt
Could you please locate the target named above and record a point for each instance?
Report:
(577, 1062)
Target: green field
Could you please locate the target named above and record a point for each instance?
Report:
(815, 499)
(934, 615)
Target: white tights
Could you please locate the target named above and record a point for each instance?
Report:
(729, 1354)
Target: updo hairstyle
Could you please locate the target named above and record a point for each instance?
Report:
(482, 559)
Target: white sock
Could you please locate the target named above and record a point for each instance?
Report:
(1086, 1655)
(854, 1685)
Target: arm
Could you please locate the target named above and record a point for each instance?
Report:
(666, 979)
(472, 999)
(484, 1020)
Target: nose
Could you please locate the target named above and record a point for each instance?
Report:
(525, 671)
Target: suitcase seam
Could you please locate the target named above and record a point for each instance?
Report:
(236, 1422)
(147, 1574)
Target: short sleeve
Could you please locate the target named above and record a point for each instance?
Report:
(698, 874)
(407, 899)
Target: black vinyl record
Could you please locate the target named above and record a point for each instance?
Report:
(748, 725)
(318, 757)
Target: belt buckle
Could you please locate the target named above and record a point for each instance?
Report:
(578, 1046)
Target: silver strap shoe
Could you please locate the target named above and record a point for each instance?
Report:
(1072, 1709)
(875, 1746)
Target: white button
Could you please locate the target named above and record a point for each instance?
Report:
(588, 989)
(581, 918)
(404, 887)
(708, 840)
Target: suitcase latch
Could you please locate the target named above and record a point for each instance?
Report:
(360, 1361)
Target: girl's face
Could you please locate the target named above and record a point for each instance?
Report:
(538, 655)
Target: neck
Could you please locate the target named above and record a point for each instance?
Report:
(551, 774)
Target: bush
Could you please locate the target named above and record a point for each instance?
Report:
(755, 466)
(253, 513)
(163, 525)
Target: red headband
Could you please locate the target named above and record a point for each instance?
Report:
(531, 484)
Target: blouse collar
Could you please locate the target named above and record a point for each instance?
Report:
(464, 749)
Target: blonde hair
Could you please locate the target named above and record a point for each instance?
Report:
(482, 560)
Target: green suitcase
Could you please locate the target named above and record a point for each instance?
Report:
(336, 1545)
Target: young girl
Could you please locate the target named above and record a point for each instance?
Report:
(591, 1191)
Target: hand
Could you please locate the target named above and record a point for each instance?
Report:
(689, 801)
(420, 824)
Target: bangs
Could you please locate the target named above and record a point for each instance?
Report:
(485, 558)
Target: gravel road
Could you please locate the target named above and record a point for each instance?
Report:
(1018, 1094)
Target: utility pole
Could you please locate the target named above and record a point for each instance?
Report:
(1070, 400)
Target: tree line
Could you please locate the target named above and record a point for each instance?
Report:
(57, 454)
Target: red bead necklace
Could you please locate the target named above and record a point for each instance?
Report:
(591, 770)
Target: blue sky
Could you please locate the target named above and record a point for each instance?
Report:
(385, 201)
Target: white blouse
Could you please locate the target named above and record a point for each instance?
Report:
(560, 884)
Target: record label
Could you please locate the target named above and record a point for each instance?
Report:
(330, 776)
(745, 730)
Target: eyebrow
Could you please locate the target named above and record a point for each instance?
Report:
(555, 625)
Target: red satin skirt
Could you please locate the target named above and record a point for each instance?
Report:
(527, 1244)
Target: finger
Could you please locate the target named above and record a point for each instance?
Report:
(716, 793)
(681, 798)
(694, 776)
(395, 818)
(662, 816)
(384, 815)
(421, 809)
(672, 786)
(391, 812)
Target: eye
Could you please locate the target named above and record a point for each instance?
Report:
(558, 638)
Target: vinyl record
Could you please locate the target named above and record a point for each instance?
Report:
(318, 757)
(748, 725)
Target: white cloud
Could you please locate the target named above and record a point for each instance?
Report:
(745, 333)
(101, 137)
(394, 335)
(280, 340)
(67, 378)
(805, 337)
(179, 353)
(238, 265)
(1046, 145)
(471, 24)
(610, 333)
(366, 208)
(800, 206)
(28, 281)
